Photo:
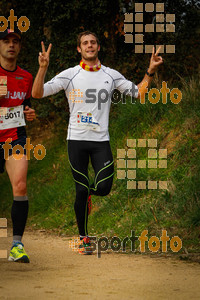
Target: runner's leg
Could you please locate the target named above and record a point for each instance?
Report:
(79, 159)
(102, 162)
(17, 172)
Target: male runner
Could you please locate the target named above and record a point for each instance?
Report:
(88, 125)
(14, 98)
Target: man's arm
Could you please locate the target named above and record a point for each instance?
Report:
(43, 59)
(154, 63)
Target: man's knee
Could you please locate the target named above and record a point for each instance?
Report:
(103, 188)
(19, 186)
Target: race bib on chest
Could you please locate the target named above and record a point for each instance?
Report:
(87, 121)
(11, 117)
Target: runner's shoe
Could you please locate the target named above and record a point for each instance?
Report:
(18, 254)
(89, 205)
(85, 246)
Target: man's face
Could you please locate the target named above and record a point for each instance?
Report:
(10, 47)
(89, 48)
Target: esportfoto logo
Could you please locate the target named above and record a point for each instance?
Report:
(39, 151)
(154, 244)
(102, 96)
(3, 234)
(135, 28)
(128, 162)
(23, 22)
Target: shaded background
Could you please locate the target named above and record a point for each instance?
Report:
(59, 22)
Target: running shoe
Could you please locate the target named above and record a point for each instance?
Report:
(89, 205)
(85, 246)
(18, 254)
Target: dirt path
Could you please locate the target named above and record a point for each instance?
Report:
(56, 272)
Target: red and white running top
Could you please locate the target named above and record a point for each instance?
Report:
(19, 85)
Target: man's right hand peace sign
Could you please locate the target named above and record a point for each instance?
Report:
(43, 58)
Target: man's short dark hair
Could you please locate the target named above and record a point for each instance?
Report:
(86, 33)
(16, 32)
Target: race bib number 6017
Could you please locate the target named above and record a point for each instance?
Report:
(11, 117)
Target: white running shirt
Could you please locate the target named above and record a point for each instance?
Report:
(89, 96)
